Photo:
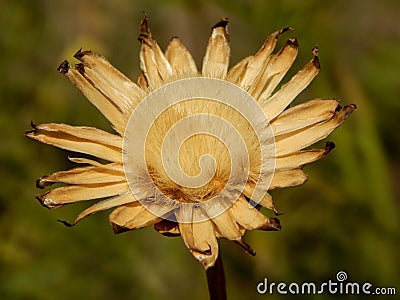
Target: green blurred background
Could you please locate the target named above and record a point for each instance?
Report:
(344, 218)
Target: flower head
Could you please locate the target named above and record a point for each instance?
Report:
(194, 153)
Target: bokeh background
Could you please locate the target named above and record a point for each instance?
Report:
(344, 218)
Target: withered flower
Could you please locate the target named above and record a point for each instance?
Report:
(194, 153)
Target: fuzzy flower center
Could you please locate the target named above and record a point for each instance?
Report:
(197, 142)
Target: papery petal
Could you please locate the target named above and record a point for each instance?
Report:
(104, 104)
(216, 59)
(132, 216)
(227, 226)
(167, 228)
(75, 193)
(250, 218)
(275, 70)
(288, 178)
(301, 158)
(236, 73)
(303, 115)
(275, 104)
(294, 141)
(112, 76)
(257, 62)
(180, 59)
(106, 204)
(82, 176)
(153, 62)
(72, 138)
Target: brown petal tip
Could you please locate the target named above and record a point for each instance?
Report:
(42, 182)
(144, 29)
(272, 224)
(63, 67)
(66, 223)
(34, 130)
(118, 228)
(222, 23)
(329, 146)
(246, 247)
(316, 63)
(293, 42)
(79, 54)
(47, 202)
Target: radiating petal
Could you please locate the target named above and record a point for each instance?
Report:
(294, 141)
(104, 104)
(301, 158)
(274, 105)
(82, 176)
(106, 204)
(256, 65)
(75, 193)
(142, 82)
(68, 140)
(112, 76)
(250, 218)
(288, 178)
(132, 216)
(216, 59)
(180, 59)
(303, 115)
(167, 228)
(117, 167)
(266, 200)
(227, 226)
(275, 70)
(153, 62)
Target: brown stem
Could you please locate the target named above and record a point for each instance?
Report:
(216, 280)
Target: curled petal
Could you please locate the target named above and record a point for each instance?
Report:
(106, 204)
(257, 62)
(167, 228)
(70, 194)
(227, 227)
(216, 59)
(236, 73)
(132, 216)
(104, 104)
(275, 70)
(111, 76)
(303, 115)
(294, 141)
(153, 62)
(180, 59)
(79, 139)
(250, 218)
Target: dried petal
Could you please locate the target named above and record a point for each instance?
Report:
(180, 59)
(288, 178)
(216, 59)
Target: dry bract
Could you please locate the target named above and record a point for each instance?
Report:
(207, 149)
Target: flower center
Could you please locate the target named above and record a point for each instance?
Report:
(197, 142)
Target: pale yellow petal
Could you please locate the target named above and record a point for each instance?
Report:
(70, 194)
(275, 70)
(288, 178)
(250, 218)
(106, 204)
(111, 75)
(132, 216)
(71, 142)
(275, 104)
(153, 62)
(180, 59)
(303, 115)
(257, 64)
(227, 227)
(105, 105)
(301, 158)
(295, 141)
(236, 73)
(82, 176)
(216, 59)
(266, 201)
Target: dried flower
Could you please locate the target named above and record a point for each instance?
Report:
(194, 153)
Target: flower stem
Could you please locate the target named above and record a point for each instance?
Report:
(216, 280)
